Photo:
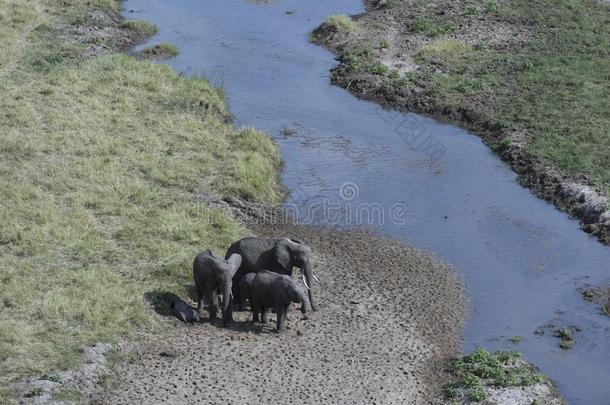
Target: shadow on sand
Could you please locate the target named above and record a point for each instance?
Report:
(161, 302)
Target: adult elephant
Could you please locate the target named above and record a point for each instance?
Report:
(276, 255)
(213, 274)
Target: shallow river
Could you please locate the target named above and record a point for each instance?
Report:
(432, 185)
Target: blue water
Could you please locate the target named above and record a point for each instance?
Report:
(521, 260)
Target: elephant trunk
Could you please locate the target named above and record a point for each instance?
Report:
(303, 298)
(309, 277)
(227, 295)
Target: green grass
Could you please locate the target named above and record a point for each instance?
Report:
(143, 28)
(443, 51)
(474, 373)
(432, 28)
(548, 79)
(340, 22)
(159, 51)
(68, 395)
(101, 162)
(498, 369)
(556, 87)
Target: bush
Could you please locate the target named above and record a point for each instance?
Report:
(340, 22)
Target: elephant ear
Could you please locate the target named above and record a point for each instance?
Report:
(234, 261)
(282, 255)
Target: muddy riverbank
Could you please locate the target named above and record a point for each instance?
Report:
(401, 56)
(388, 309)
(520, 258)
(390, 320)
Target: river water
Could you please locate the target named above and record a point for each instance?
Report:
(433, 185)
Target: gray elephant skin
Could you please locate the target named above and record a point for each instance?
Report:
(184, 312)
(276, 255)
(214, 275)
(245, 287)
(273, 290)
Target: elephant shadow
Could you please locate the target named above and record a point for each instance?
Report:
(243, 327)
(161, 301)
(191, 291)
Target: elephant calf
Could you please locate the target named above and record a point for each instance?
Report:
(184, 312)
(213, 274)
(275, 290)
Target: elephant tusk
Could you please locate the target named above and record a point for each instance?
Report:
(231, 294)
(305, 282)
(314, 276)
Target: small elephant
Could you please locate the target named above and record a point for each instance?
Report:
(245, 288)
(213, 275)
(184, 312)
(272, 290)
(276, 255)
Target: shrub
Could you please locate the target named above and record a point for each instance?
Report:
(341, 22)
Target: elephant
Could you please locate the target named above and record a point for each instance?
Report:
(184, 312)
(213, 275)
(276, 255)
(245, 287)
(273, 290)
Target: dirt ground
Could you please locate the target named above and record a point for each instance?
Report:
(390, 318)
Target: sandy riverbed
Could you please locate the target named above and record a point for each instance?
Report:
(390, 318)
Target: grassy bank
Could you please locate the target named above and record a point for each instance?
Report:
(497, 378)
(101, 161)
(528, 74)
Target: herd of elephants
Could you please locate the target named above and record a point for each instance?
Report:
(255, 269)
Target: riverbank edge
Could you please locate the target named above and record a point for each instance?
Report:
(570, 194)
(74, 384)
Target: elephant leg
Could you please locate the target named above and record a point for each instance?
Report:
(213, 303)
(199, 299)
(255, 312)
(235, 288)
(264, 315)
(281, 310)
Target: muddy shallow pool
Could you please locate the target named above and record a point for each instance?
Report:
(409, 177)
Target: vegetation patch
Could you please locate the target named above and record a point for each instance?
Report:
(333, 28)
(102, 162)
(599, 296)
(139, 27)
(70, 395)
(158, 52)
(432, 28)
(340, 22)
(482, 373)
